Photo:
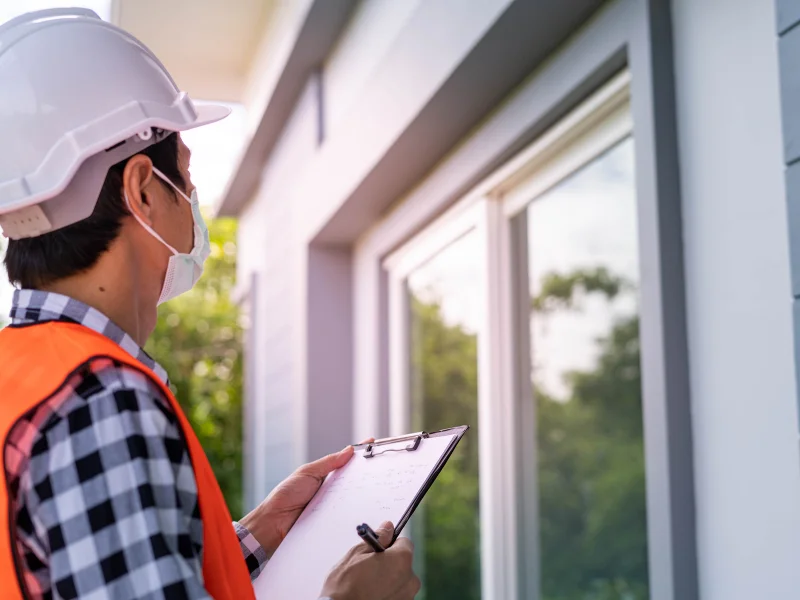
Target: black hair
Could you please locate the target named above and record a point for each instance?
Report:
(39, 261)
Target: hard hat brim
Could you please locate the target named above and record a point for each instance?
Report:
(59, 144)
(208, 113)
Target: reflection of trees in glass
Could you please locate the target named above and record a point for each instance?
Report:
(591, 461)
(444, 393)
(198, 341)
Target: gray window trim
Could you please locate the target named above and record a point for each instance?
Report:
(665, 369)
(636, 33)
(788, 16)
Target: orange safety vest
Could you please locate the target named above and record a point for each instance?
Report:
(35, 362)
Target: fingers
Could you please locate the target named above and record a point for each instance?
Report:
(403, 549)
(385, 534)
(403, 544)
(409, 591)
(416, 585)
(320, 468)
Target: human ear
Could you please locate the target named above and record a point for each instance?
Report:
(137, 178)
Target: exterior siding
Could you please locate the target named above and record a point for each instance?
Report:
(793, 207)
(329, 351)
(742, 273)
(789, 45)
(371, 31)
(421, 58)
(788, 16)
(267, 246)
(747, 468)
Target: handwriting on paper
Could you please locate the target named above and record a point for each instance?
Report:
(366, 490)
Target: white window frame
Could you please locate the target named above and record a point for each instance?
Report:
(596, 126)
(456, 223)
(496, 486)
(508, 492)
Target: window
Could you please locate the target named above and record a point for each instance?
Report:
(437, 287)
(516, 312)
(444, 391)
(582, 263)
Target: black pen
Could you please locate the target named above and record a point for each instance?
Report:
(365, 533)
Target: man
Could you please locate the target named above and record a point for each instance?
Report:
(107, 491)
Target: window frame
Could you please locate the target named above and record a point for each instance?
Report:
(497, 487)
(625, 34)
(455, 224)
(492, 210)
(599, 124)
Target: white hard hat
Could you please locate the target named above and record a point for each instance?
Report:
(77, 95)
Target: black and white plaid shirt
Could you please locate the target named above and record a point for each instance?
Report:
(100, 480)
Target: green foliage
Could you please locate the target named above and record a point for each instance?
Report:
(198, 341)
(565, 291)
(444, 393)
(591, 462)
(591, 480)
(593, 540)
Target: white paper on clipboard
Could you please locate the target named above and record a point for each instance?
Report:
(365, 490)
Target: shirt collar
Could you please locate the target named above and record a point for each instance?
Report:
(34, 306)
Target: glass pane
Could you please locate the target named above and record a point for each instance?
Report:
(584, 328)
(443, 299)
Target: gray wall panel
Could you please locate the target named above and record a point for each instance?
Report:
(793, 200)
(788, 14)
(789, 47)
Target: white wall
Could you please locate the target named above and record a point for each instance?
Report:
(275, 47)
(371, 31)
(422, 55)
(747, 470)
(267, 246)
(390, 60)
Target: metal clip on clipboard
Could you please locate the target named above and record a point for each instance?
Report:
(416, 441)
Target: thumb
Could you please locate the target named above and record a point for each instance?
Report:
(385, 534)
(320, 468)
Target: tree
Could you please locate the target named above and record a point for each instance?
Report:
(590, 457)
(199, 342)
(560, 292)
(444, 392)
(591, 461)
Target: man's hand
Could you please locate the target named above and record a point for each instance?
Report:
(273, 518)
(366, 575)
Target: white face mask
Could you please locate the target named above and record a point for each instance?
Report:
(183, 270)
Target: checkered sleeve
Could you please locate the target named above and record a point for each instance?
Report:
(109, 500)
(254, 555)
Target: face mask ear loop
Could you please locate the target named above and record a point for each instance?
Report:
(146, 226)
(172, 185)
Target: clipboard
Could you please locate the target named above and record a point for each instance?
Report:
(385, 480)
(373, 450)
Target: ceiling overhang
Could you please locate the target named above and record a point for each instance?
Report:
(208, 46)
